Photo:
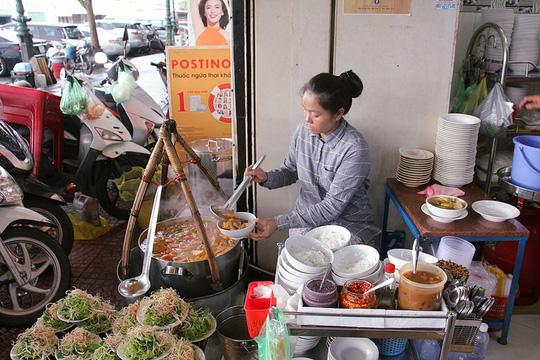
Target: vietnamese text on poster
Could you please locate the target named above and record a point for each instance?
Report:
(377, 6)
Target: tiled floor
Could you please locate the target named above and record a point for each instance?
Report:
(523, 342)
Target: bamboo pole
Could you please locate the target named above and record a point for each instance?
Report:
(148, 173)
(165, 134)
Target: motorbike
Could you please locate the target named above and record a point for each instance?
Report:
(78, 58)
(16, 158)
(34, 269)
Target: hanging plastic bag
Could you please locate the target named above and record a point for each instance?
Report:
(74, 99)
(470, 97)
(122, 89)
(495, 111)
(94, 107)
(273, 340)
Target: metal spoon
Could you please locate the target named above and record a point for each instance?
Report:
(381, 285)
(221, 211)
(452, 294)
(137, 286)
(415, 253)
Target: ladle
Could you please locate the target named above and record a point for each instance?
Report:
(381, 285)
(139, 285)
(221, 211)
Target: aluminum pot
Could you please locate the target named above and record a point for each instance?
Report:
(216, 154)
(192, 279)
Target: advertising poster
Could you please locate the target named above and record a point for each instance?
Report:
(211, 22)
(201, 99)
(377, 6)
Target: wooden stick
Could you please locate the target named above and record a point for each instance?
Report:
(177, 166)
(148, 173)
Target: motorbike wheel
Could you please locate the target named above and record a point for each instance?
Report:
(63, 232)
(106, 189)
(87, 65)
(42, 262)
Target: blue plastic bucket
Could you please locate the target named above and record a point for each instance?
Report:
(526, 162)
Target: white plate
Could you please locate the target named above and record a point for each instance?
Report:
(416, 154)
(495, 211)
(425, 210)
(353, 349)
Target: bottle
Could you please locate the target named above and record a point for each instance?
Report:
(387, 295)
(480, 347)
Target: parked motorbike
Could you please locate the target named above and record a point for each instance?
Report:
(34, 269)
(15, 157)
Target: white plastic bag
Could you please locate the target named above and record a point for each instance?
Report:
(122, 89)
(479, 276)
(495, 111)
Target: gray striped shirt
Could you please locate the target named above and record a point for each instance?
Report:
(333, 174)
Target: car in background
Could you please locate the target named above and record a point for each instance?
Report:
(150, 30)
(111, 42)
(136, 36)
(10, 50)
(68, 34)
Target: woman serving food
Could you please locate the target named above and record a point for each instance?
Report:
(330, 159)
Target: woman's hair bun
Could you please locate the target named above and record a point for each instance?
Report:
(353, 83)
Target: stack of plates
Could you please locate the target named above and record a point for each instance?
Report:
(305, 343)
(525, 45)
(505, 19)
(414, 167)
(357, 262)
(455, 150)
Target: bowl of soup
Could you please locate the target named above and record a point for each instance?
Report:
(421, 290)
(446, 206)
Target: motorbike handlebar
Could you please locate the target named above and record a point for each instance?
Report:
(104, 81)
(160, 65)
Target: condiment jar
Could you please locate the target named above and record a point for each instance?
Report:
(326, 297)
(418, 296)
(352, 296)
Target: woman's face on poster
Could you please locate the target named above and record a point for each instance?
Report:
(213, 11)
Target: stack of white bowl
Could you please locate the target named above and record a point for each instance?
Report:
(357, 262)
(525, 45)
(352, 348)
(305, 343)
(505, 19)
(455, 150)
(414, 167)
(293, 269)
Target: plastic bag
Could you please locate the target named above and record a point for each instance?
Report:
(273, 340)
(479, 276)
(128, 182)
(94, 107)
(122, 89)
(73, 100)
(495, 111)
(469, 98)
(83, 230)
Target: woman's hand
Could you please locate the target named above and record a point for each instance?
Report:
(530, 102)
(258, 175)
(263, 229)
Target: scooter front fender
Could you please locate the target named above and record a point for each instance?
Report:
(11, 215)
(115, 150)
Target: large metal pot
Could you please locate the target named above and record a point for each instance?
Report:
(192, 279)
(216, 154)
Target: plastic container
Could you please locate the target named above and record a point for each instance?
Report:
(456, 249)
(526, 162)
(428, 349)
(416, 296)
(391, 347)
(498, 309)
(256, 309)
(325, 297)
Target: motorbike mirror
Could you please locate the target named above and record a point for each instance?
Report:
(156, 44)
(100, 58)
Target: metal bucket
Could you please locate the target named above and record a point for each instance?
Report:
(234, 336)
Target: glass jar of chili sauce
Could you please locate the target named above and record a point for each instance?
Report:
(352, 296)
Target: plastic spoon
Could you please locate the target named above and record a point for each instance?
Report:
(137, 286)
(326, 273)
(221, 212)
(381, 285)
(415, 253)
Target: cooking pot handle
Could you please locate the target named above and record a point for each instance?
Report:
(176, 270)
(214, 148)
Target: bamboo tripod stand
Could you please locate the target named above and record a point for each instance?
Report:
(164, 153)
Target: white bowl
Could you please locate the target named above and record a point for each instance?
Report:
(495, 211)
(334, 236)
(285, 265)
(292, 285)
(400, 257)
(373, 278)
(346, 261)
(297, 279)
(446, 213)
(298, 250)
(353, 349)
(242, 233)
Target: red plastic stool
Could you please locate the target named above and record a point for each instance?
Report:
(54, 120)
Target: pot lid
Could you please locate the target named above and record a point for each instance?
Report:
(213, 146)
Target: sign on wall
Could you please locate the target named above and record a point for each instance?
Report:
(200, 94)
(377, 6)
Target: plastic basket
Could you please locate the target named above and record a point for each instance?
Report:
(391, 347)
(498, 309)
(256, 309)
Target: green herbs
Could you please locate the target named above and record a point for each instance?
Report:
(50, 318)
(78, 305)
(163, 308)
(104, 352)
(126, 319)
(199, 324)
(145, 343)
(100, 322)
(38, 342)
(78, 344)
(182, 350)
